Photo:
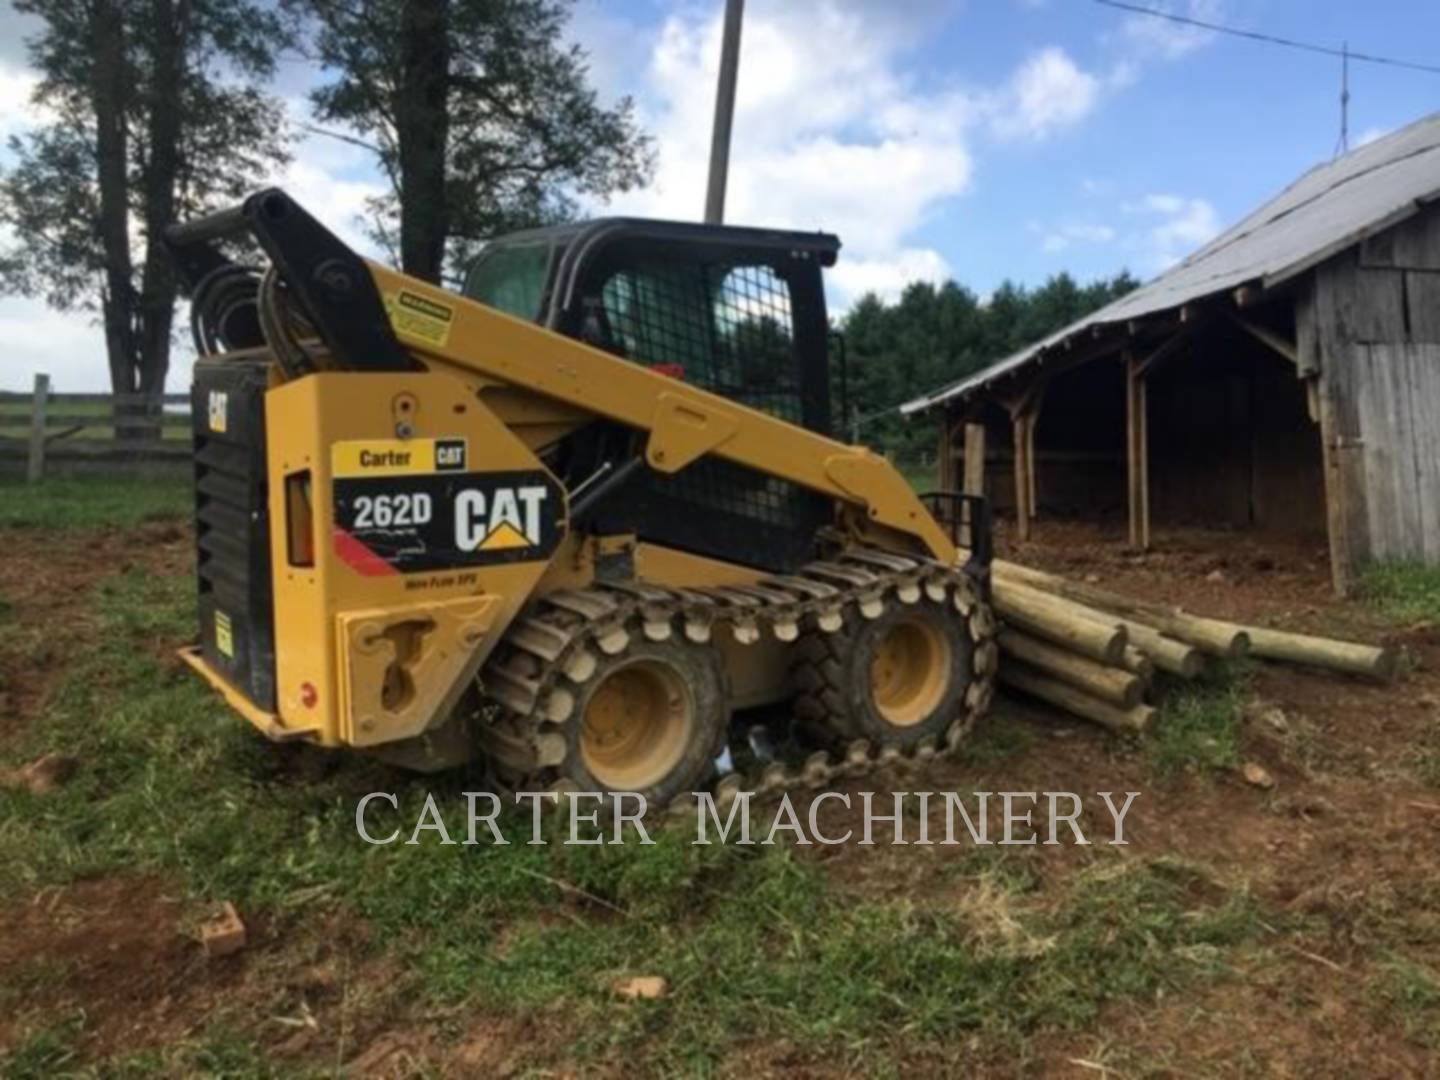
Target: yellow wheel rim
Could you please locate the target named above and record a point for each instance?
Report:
(910, 671)
(637, 725)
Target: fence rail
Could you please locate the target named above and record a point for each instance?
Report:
(43, 425)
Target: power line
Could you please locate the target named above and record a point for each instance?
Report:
(1269, 39)
(1343, 146)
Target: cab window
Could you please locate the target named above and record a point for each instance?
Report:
(510, 277)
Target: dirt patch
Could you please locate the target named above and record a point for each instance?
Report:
(1341, 854)
(46, 585)
(499, 1046)
(110, 949)
(122, 955)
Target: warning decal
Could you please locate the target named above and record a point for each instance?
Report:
(397, 522)
(420, 317)
(224, 635)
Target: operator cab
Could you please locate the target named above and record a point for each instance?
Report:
(736, 311)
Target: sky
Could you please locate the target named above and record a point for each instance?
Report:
(979, 140)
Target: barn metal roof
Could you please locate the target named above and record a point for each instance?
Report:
(1328, 209)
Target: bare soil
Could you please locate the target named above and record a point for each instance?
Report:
(46, 583)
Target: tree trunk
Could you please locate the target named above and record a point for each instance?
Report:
(112, 147)
(158, 287)
(422, 131)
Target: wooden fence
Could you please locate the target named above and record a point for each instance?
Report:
(103, 429)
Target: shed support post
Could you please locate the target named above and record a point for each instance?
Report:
(1137, 453)
(974, 459)
(1022, 422)
(1033, 504)
(945, 461)
(1022, 485)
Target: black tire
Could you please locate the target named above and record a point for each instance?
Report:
(836, 699)
(694, 670)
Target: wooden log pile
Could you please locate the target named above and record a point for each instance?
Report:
(1094, 653)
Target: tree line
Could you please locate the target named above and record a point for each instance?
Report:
(934, 335)
(479, 116)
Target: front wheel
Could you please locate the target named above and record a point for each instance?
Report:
(896, 680)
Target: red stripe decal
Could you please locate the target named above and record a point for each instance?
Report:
(358, 557)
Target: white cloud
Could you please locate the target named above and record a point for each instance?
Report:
(1150, 36)
(830, 133)
(332, 179)
(832, 129)
(1155, 204)
(1158, 230)
(1184, 225)
(1049, 92)
(68, 347)
(17, 111)
(887, 276)
(1067, 236)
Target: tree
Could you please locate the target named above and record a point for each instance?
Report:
(149, 119)
(481, 119)
(931, 337)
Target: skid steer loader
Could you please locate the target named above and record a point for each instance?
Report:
(573, 519)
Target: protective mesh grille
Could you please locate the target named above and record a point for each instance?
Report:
(725, 328)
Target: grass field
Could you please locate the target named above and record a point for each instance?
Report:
(87, 502)
(752, 940)
(881, 962)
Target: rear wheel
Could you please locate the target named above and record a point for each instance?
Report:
(649, 720)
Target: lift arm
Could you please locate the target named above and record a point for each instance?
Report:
(373, 318)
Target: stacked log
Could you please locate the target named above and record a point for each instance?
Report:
(1094, 653)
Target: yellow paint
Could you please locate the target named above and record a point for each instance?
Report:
(385, 457)
(267, 723)
(666, 566)
(910, 671)
(315, 606)
(386, 657)
(504, 537)
(398, 663)
(488, 344)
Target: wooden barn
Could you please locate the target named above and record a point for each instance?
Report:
(1284, 378)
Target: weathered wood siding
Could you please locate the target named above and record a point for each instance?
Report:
(1370, 328)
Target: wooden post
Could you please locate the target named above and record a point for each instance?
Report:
(1030, 470)
(1337, 521)
(974, 459)
(1137, 453)
(945, 463)
(1023, 412)
(1018, 422)
(35, 466)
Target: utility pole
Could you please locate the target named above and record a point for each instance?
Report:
(724, 113)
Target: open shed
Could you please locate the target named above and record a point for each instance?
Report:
(1285, 378)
